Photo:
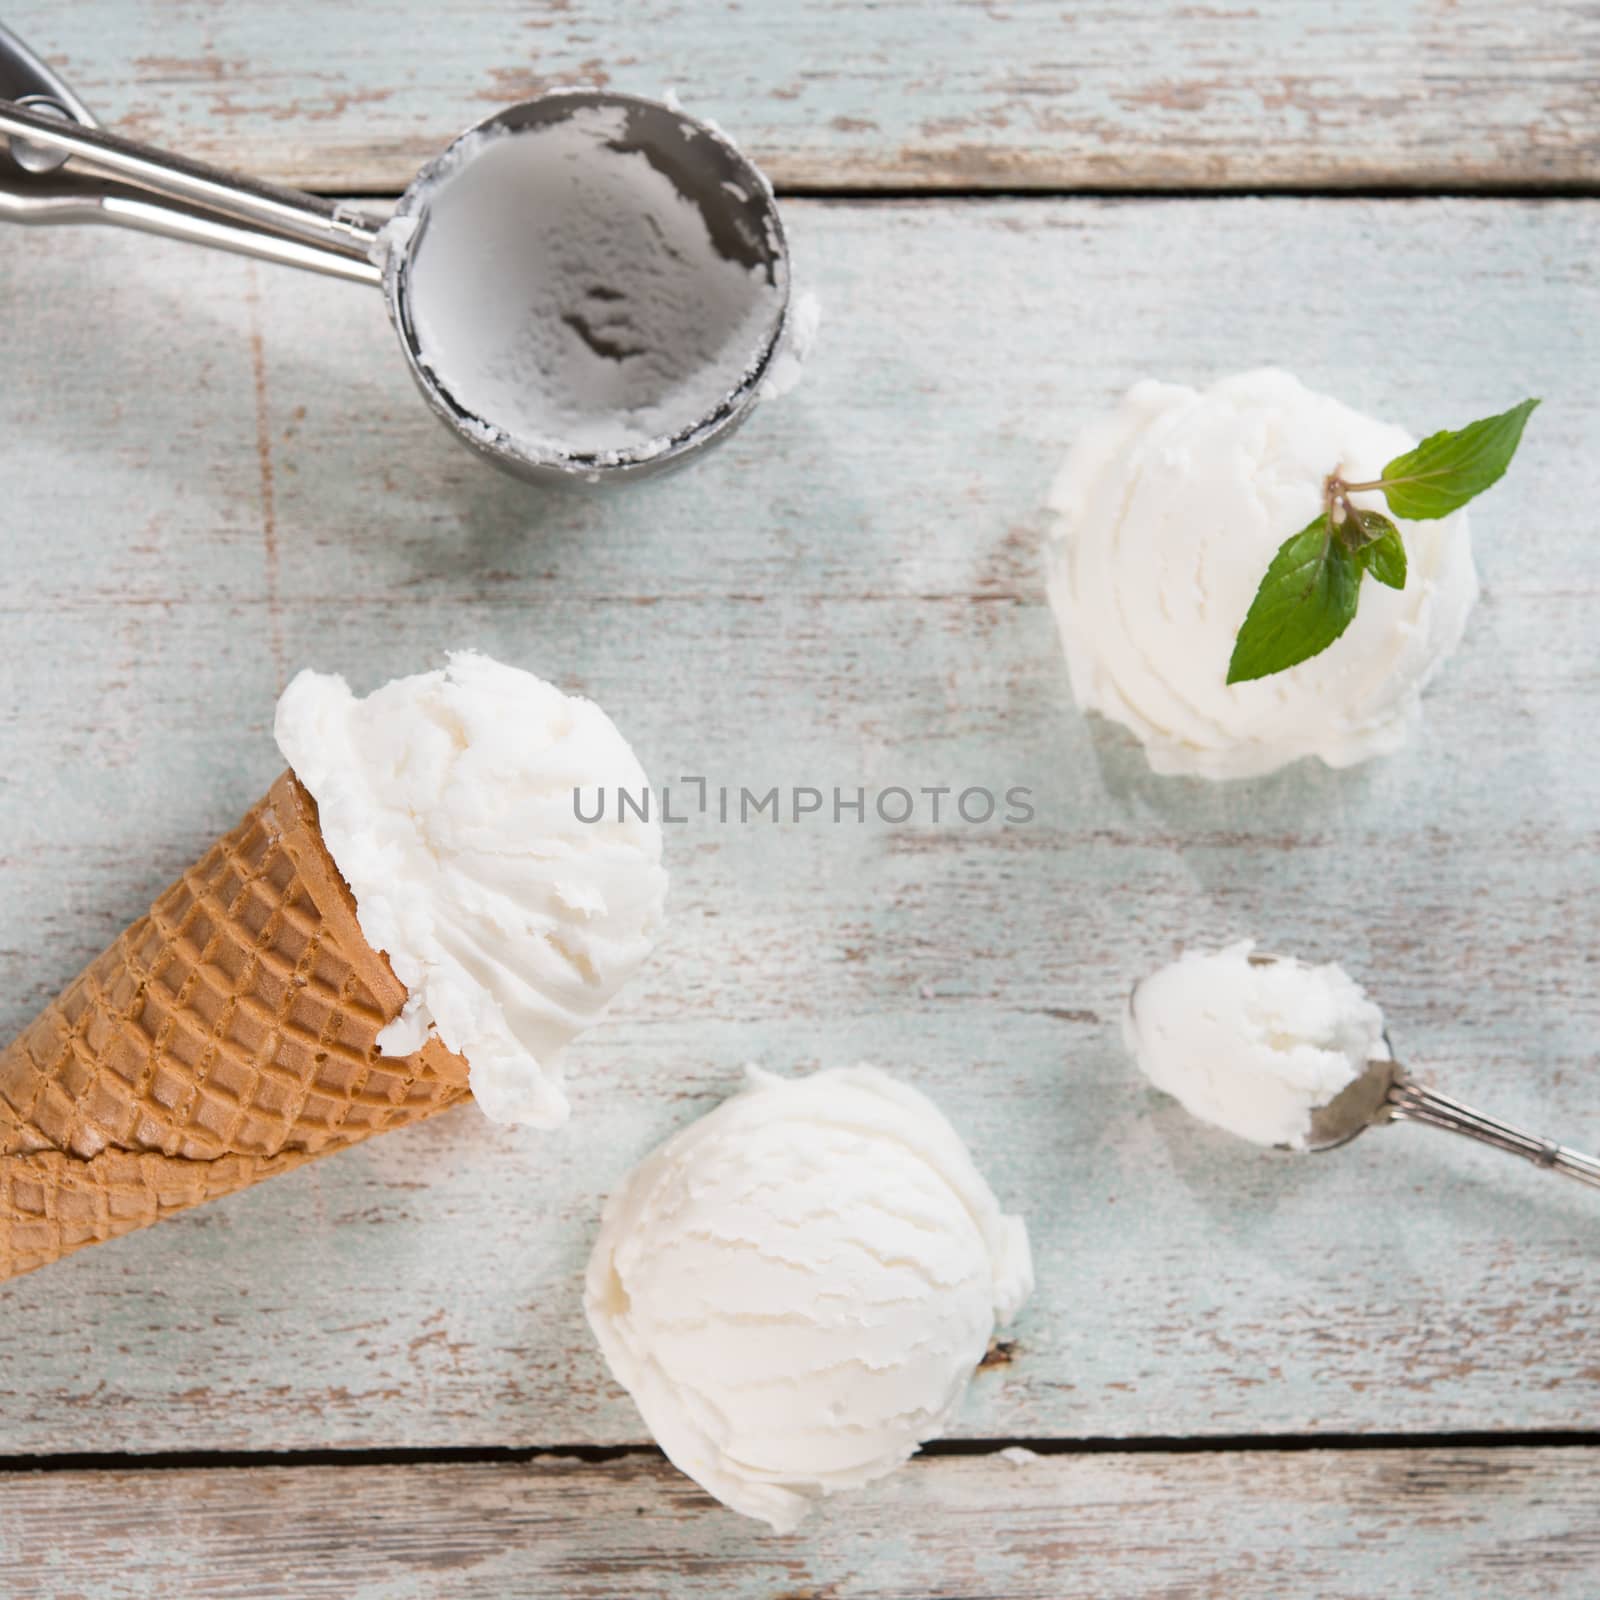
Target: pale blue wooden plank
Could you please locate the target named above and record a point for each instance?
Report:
(1111, 93)
(847, 593)
(1474, 1525)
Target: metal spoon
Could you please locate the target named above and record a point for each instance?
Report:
(1384, 1093)
(62, 169)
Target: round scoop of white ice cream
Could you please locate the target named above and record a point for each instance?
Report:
(1167, 514)
(796, 1288)
(1250, 1045)
(449, 802)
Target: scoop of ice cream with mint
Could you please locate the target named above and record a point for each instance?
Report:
(1167, 514)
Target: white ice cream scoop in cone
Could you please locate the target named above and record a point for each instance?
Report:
(588, 287)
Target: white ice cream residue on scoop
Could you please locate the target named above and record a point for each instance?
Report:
(1253, 1047)
(797, 1288)
(446, 801)
(1167, 514)
(563, 290)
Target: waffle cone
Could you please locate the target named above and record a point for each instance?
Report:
(229, 1035)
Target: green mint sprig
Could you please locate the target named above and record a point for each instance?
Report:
(1310, 592)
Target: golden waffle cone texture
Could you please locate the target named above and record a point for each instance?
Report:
(228, 1035)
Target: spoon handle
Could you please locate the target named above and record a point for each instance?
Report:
(1411, 1102)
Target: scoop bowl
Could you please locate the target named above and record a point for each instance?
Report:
(741, 219)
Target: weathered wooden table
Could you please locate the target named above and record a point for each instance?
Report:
(1370, 1374)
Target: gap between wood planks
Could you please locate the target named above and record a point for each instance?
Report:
(1218, 1444)
(1558, 189)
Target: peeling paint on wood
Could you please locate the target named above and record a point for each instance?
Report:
(1025, 94)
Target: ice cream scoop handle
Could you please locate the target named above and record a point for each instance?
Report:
(1411, 1102)
(243, 214)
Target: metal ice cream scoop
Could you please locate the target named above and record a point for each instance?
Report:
(59, 167)
(1384, 1093)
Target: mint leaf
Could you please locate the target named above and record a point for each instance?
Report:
(1362, 527)
(1311, 590)
(1448, 468)
(1385, 557)
(1306, 600)
(1377, 545)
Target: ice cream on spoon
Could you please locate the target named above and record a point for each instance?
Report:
(1253, 1045)
(1283, 1053)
